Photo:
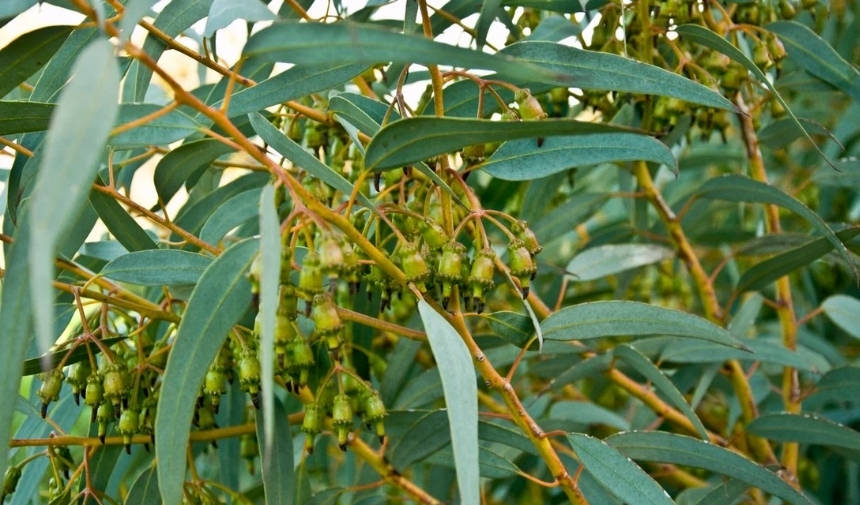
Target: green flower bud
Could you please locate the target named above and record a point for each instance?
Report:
(289, 304)
(129, 424)
(215, 385)
(433, 233)
(331, 257)
(117, 384)
(249, 375)
(521, 263)
(414, 266)
(77, 378)
(310, 277)
(481, 276)
(312, 425)
(303, 358)
(523, 232)
(342, 418)
(49, 391)
(450, 270)
(374, 412)
(105, 416)
(248, 450)
(10, 480)
(529, 107)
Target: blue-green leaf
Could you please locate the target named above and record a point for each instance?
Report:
(231, 214)
(25, 55)
(221, 297)
(270, 275)
(224, 12)
(620, 476)
(615, 318)
(279, 479)
(520, 160)
(601, 261)
(683, 450)
(144, 491)
(157, 267)
(79, 131)
(23, 117)
(461, 398)
(845, 312)
(184, 162)
(134, 12)
(173, 126)
(735, 188)
(805, 428)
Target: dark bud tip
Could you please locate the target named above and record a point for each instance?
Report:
(146, 447)
(534, 274)
(152, 437)
(127, 448)
(44, 410)
(77, 397)
(310, 450)
(376, 178)
(255, 399)
(124, 403)
(66, 473)
(102, 439)
(540, 141)
(445, 303)
(381, 439)
(466, 175)
(342, 447)
(525, 293)
(215, 444)
(289, 386)
(216, 407)
(93, 414)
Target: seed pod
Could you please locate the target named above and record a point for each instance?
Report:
(312, 425)
(374, 412)
(285, 332)
(117, 384)
(303, 359)
(77, 378)
(529, 107)
(104, 417)
(326, 319)
(450, 270)
(341, 417)
(129, 424)
(352, 268)
(10, 481)
(249, 375)
(414, 266)
(215, 385)
(289, 303)
(527, 235)
(94, 394)
(521, 263)
(481, 276)
(49, 391)
(310, 277)
(433, 233)
(331, 257)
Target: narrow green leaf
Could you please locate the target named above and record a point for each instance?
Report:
(762, 274)
(231, 214)
(555, 28)
(144, 491)
(461, 398)
(25, 55)
(710, 39)
(735, 188)
(611, 72)
(844, 311)
(279, 479)
(817, 57)
(489, 10)
(763, 350)
(516, 329)
(23, 117)
(644, 366)
(620, 476)
(134, 12)
(520, 160)
(582, 414)
(848, 175)
(614, 318)
(425, 437)
(783, 132)
(220, 298)
(304, 160)
(602, 261)
(340, 43)
(291, 84)
(726, 493)
(157, 267)
(224, 12)
(12, 8)
(184, 162)
(122, 226)
(421, 138)
(837, 385)
(270, 275)
(805, 428)
(683, 450)
(73, 147)
(564, 218)
(173, 126)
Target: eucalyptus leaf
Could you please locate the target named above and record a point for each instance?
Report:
(805, 428)
(157, 267)
(601, 261)
(25, 55)
(269, 282)
(845, 312)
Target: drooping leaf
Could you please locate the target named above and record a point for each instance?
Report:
(279, 479)
(844, 311)
(630, 355)
(601, 261)
(735, 188)
(817, 57)
(224, 12)
(710, 39)
(519, 160)
(184, 162)
(486, 18)
(304, 160)
(620, 476)
(134, 12)
(555, 28)
(220, 298)
(611, 72)
(516, 329)
(461, 398)
(421, 138)
(33, 366)
(291, 84)
(231, 214)
(614, 318)
(340, 43)
(122, 226)
(25, 55)
(699, 351)
(805, 428)
(79, 131)
(23, 117)
(269, 282)
(157, 267)
(144, 491)
(837, 385)
(425, 437)
(173, 126)
(683, 450)
(762, 274)
(848, 175)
